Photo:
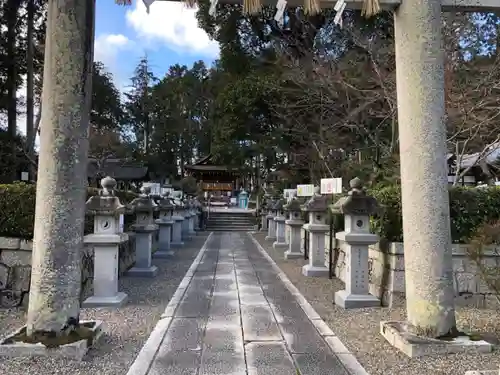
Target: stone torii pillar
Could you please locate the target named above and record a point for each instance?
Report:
(422, 143)
(62, 167)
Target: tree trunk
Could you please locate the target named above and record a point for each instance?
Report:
(54, 304)
(30, 126)
(11, 16)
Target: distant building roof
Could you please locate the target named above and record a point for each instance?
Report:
(204, 164)
(490, 156)
(121, 170)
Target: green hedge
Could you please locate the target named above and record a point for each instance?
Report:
(17, 209)
(469, 208)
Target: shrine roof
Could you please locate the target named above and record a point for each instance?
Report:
(210, 167)
(121, 170)
(204, 164)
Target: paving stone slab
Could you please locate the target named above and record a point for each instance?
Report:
(253, 299)
(250, 289)
(224, 306)
(180, 351)
(266, 358)
(222, 363)
(320, 362)
(259, 324)
(223, 333)
(225, 285)
(235, 316)
(194, 305)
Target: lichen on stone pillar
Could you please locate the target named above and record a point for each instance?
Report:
(422, 139)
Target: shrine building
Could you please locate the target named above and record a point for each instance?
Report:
(216, 179)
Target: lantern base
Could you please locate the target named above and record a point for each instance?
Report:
(313, 271)
(290, 255)
(143, 271)
(355, 301)
(161, 254)
(279, 245)
(117, 300)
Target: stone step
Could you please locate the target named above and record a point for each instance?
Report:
(231, 214)
(230, 223)
(212, 225)
(231, 218)
(230, 229)
(239, 218)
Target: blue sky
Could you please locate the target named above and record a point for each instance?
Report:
(169, 34)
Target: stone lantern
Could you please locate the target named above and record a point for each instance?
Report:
(357, 208)
(197, 210)
(186, 234)
(106, 239)
(317, 208)
(295, 223)
(279, 219)
(178, 219)
(192, 217)
(144, 228)
(264, 213)
(165, 224)
(271, 230)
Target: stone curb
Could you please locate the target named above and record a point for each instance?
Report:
(338, 348)
(146, 356)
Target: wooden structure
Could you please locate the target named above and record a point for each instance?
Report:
(480, 167)
(214, 178)
(126, 173)
(469, 179)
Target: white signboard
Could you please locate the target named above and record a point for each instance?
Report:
(25, 176)
(305, 190)
(289, 193)
(122, 223)
(331, 185)
(155, 187)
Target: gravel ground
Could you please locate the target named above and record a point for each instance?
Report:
(359, 329)
(127, 328)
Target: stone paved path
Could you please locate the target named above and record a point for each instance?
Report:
(237, 317)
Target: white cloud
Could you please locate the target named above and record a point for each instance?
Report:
(106, 49)
(108, 46)
(173, 24)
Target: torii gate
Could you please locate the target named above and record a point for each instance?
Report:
(420, 93)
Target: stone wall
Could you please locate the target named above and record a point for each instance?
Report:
(127, 254)
(15, 269)
(387, 272)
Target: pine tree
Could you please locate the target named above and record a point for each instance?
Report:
(139, 103)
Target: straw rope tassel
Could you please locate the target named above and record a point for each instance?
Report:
(312, 7)
(251, 7)
(370, 8)
(190, 3)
